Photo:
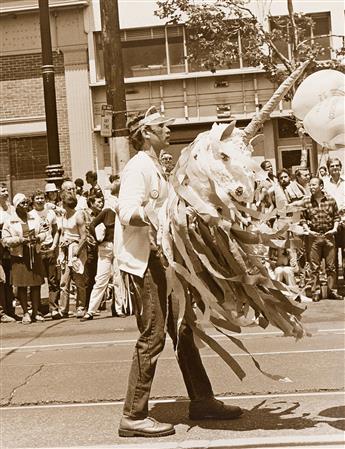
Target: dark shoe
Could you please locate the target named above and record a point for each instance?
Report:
(335, 296)
(213, 409)
(56, 315)
(147, 427)
(87, 317)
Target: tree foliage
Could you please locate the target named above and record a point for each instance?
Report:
(212, 36)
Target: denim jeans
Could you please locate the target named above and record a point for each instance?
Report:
(49, 260)
(152, 314)
(322, 246)
(80, 281)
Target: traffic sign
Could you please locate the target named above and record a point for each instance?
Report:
(107, 120)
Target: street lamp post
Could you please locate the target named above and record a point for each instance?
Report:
(54, 170)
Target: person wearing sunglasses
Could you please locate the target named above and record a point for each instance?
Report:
(22, 234)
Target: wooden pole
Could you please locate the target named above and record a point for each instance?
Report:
(114, 79)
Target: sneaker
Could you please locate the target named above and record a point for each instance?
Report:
(80, 312)
(6, 319)
(26, 319)
(56, 315)
(38, 318)
(212, 408)
(147, 427)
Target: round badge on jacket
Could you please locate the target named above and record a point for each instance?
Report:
(154, 194)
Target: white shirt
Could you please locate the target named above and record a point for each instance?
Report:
(6, 214)
(142, 184)
(46, 217)
(82, 203)
(336, 190)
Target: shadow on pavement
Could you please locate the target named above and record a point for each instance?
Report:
(335, 412)
(263, 416)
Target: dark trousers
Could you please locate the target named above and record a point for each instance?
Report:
(340, 243)
(153, 313)
(8, 296)
(91, 270)
(50, 272)
(322, 247)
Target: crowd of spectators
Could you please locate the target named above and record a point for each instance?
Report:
(66, 237)
(63, 236)
(310, 210)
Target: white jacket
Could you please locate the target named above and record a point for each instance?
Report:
(142, 184)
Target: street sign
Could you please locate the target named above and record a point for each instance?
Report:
(107, 120)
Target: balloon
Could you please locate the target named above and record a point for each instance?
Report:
(325, 122)
(315, 88)
(319, 101)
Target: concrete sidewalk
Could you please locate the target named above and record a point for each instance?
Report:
(314, 419)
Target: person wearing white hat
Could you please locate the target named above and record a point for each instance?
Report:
(51, 193)
(22, 234)
(143, 191)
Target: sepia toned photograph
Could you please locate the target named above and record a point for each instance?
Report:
(172, 224)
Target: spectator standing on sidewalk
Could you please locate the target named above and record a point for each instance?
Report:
(143, 191)
(4, 318)
(323, 173)
(302, 178)
(52, 195)
(95, 206)
(23, 234)
(6, 212)
(49, 249)
(72, 255)
(91, 178)
(335, 187)
(102, 228)
(320, 222)
(79, 191)
(294, 190)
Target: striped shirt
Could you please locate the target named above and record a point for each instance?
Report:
(320, 216)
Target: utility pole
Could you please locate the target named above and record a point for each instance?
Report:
(115, 87)
(54, 170)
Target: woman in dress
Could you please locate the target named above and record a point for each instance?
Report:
(23, 234)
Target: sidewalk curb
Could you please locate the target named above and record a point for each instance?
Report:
(284, 442)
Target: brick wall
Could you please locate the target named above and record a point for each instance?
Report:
(21, 89)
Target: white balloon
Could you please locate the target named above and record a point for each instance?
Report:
(325, 122)
(315, 88)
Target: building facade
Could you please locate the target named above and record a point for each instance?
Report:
(157, 71)
(23, 143)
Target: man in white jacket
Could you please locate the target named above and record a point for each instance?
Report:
(142, 193)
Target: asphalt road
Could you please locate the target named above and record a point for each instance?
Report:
(63, 384)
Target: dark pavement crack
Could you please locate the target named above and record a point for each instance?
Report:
(16, 388)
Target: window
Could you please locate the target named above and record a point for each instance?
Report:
(99, 56)
(287, 128)
(144, 58)
(147, 51)
(28, 157)
(321, 26)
